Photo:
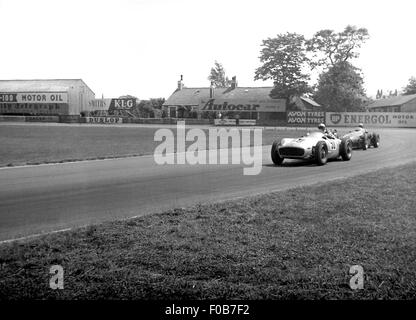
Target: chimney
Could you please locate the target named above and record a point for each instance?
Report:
(180, 83)
(211, 90)
(233, 82)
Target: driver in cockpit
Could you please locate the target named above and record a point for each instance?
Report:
(324, 130)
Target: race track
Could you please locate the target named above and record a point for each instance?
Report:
(44, 198)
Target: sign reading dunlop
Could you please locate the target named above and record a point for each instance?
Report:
(380, 119)
(103, 120)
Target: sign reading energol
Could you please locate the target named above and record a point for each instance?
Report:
(383, 119)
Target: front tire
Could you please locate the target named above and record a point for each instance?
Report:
(376, 140)
(276, 158)
(321, 153)
(346, 149)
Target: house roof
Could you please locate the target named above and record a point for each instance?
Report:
(310, 101)
(38, 85)
(393, 101)
(193, 96)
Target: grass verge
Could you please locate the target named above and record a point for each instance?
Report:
(21, 144)
(296, 244)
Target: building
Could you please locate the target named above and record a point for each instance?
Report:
(52, 97)
(242, 102)
(394, 104)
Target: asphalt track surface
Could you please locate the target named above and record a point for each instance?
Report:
(45, 198)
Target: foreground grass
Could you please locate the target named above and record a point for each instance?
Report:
(27, 144)
(297, 244)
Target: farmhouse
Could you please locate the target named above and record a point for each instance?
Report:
(394, 104)
(232, 102)
(51, 97)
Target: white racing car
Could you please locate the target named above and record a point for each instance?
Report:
(316, 146)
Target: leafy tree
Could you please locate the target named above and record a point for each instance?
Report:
(340, 88)
(217, 76)
(329, 48)
(284, 60)
(157, 102)
(411, 87)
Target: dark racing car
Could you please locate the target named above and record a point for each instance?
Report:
(362, 139)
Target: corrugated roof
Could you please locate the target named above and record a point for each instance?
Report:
(393, 101)
(310, 101)
(35, 85)
(193, 96)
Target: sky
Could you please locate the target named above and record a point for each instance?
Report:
(141, 47)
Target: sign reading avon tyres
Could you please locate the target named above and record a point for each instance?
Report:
(305, 117)
(34, 97)
(380, 119)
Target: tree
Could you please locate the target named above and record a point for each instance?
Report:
(329, 48)
(157, 103)
(284, 61)
(340, 88)
(411, 87)
(217, 76)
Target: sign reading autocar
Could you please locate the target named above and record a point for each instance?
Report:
(305, 117)
(238, 105)
(381, 119)
(34, 97)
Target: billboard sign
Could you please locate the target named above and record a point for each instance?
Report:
(123, 104)
(238, 105)
(34, 97)
(305, 117)
(380, 119)
(225, 122)
(104, 120)
(112, 104)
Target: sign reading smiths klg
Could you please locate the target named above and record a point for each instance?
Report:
(112, 104)
(34, 97)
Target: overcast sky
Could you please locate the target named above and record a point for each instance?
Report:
(141, 47)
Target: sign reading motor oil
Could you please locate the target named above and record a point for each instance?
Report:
(34, 97)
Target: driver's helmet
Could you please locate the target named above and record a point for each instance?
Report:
(361, 125)
(322, 127)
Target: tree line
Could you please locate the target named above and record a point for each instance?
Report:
(290, 60)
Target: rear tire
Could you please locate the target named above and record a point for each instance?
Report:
(346, 149)
(276, 158)
(376, 140)
(321, 153)
(365, 142)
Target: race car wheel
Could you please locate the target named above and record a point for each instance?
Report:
(276, 158)
(346, 149)
(365, 142)
(321, 155)
(376, 140)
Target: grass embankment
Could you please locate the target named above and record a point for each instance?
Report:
(28, 144)
(296, 244)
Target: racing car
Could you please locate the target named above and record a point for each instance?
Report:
(316, 146)
(362, 139)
